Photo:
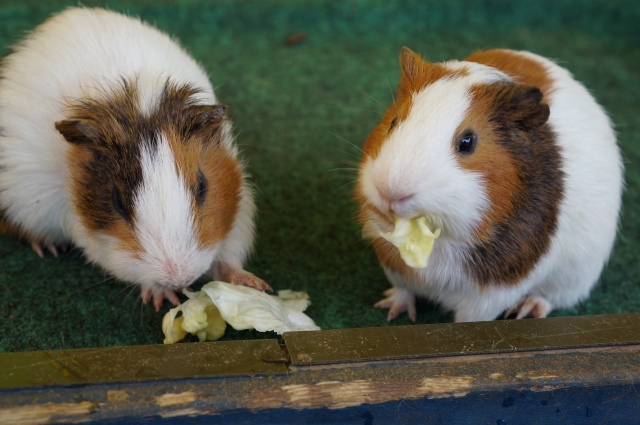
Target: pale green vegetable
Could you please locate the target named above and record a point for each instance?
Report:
(247, 308)
(414, 238)
(199, 317)
(207, 312)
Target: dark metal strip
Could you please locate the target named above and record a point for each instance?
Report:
(404, 342)
(95, 365)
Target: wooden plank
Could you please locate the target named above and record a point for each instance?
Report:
(98, 365)
(444, 339)
(585, 386)
(561, 370)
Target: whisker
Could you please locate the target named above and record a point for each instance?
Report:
(127, 286)
(345, 140)
(391, 91)
(96, 284)
(347, 184)
(371, 97)
(342, 162)
(350, 154)
(343, 169)
(378, 113)
(133, 288)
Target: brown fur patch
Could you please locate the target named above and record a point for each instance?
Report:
(519, 67)
(491, 160)
(389, 257)
(216, 215)
(517, 156)
(108, 135)
(415, 74)
(15, 230)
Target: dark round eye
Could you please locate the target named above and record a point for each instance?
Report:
(201, 192)
(467, 143)
(118, 205)
(393, 123)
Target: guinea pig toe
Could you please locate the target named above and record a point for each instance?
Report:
(171, 297)
(40, 252)
(245, 278)
(38, 249)
(533, 306)
(159, 296)
(146, 295)
(53, 250)
(398, 301)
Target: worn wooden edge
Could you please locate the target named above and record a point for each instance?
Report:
(329, 371)
(601, 381)
(445, 339)
(267, 357)
(91, 366)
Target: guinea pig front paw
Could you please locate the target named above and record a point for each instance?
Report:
(398, 300)
(159, 296)
(533, 306)
(245, 278)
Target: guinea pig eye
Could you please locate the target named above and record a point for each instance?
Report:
(118, 205)
(467, 143)
(393, 123)
(201, 192)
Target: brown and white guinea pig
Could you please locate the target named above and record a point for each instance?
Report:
(515, 162)
(111, 139)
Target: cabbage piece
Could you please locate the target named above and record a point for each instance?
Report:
(206, 312)
(414, 238)
(172, 327)
(298, 301)
(199, 317)
(247, 308)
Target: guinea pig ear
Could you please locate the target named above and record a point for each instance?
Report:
(206, 119)
(79, 132)
(524, 108)
(410, 64)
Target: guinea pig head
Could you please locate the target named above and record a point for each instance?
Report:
(450, 148)
(156, 190)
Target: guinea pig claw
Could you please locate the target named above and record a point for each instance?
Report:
(172, 298)
(533, 306)
(146, 296)
(398, 301)
(38, 249)
(52, 249)
(159, 296)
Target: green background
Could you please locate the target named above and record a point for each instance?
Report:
(301, 113)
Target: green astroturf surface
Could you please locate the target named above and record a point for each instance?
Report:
(301, 112)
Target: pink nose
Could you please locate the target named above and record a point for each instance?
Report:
(398, 206)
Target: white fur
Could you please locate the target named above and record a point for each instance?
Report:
(417, 159)
(82, 53)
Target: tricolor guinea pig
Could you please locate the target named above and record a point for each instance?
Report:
(517, 166)
(112, 140)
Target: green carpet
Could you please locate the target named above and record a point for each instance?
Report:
(301, 113)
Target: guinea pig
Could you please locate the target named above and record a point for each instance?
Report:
(515, 163)
(112, 140)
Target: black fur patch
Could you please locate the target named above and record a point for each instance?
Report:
(113, 131)
(516, 245)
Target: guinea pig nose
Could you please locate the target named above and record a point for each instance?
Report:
(400, 206)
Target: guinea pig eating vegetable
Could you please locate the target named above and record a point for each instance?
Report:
(506, 171)
(111, 139)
